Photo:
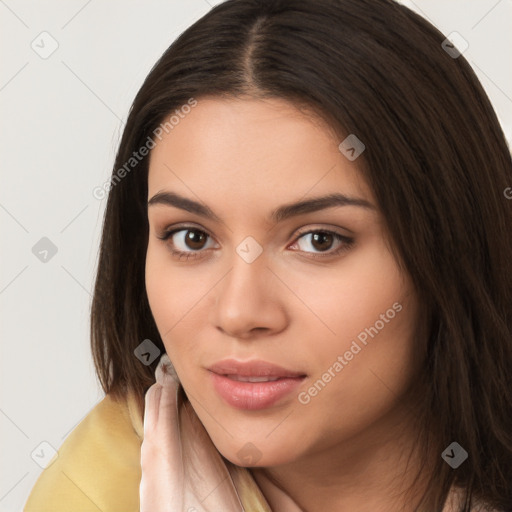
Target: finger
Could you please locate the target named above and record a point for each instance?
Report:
(161, 486)
(167, 414)
(151, 407)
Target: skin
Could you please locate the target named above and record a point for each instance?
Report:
(346, 449)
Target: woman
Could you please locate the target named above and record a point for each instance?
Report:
(309, 196)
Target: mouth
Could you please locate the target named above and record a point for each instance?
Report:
(254, 392)
(241, 378)
(253, 384)
(253, 368)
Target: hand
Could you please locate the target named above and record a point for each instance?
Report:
(161, 485)
(182, 471)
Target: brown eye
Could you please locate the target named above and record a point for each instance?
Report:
(195, 239)
(186, 242)
(322, 240)
(320, 243)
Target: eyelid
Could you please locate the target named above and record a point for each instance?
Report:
(345, 243)
(347, 240)
(298, 232)
(182, 226)
(322, 227)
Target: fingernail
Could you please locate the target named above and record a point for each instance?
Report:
(165, 371)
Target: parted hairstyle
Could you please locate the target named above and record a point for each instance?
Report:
(436, 160)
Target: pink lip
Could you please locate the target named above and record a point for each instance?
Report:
(253, 368)
(253, 395)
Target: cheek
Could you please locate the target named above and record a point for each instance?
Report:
(177, 295)
(364, 297)
(369, 381)
(171, 298)
(367, 357)
(161, 288)
(171, 288)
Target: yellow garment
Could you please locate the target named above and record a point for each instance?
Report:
(97, 467)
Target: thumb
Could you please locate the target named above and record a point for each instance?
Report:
(161, 485)
(165, 371)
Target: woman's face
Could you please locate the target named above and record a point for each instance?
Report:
(313, 289)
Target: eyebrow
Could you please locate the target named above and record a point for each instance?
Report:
(280, 214)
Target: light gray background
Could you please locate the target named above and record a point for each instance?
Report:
(61, 120)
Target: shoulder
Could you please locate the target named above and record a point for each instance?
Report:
(97, 467)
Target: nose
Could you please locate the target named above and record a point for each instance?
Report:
(250, 300)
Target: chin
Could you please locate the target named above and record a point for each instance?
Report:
(256, 454)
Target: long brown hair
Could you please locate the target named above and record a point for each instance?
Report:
(436, 160)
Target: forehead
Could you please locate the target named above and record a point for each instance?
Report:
(252, 150)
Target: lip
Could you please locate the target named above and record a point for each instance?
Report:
(253, 395)
(252, 368)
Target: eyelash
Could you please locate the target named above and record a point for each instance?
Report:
(347, 243)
